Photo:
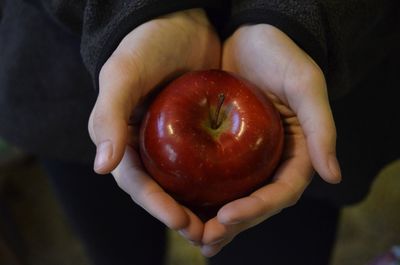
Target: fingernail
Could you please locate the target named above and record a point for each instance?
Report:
(194, 243)
(103, 154)
(209, 251)
(183, 233)
(231, 222)
(216, 241)
(334, 167)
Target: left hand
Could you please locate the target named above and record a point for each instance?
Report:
(272, 61)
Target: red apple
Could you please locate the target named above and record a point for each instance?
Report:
(210, 137)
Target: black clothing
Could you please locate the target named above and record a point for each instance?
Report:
(367, 134)
(46, 93)
(303, 234)
(346, 38)
(116, 231)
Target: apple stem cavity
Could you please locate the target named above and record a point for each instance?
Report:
(216, 122)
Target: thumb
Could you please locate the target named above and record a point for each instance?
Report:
(108, 123)
(315, 116)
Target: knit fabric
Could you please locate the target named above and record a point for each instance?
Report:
(336, 34)
(46, 92)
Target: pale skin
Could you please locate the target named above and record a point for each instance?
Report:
(165, 47)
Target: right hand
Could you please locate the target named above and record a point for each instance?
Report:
(149, 55)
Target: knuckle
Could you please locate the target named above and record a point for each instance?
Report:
(293, 195)
(293, 199)
(121, 181)
(313, 73)
(98, 121)
(90, 127)
(125, 181)
(175, 225)
(106, 68)
(118, 63)
(122, 68)
(119, 176)
(309, 79)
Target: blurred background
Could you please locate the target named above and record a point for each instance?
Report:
(33, 229)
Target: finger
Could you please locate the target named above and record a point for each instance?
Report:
(193, 232)
(123, 81)
(214, 232)
(290, 181)
(215, 237)
(130, 73)
(212, 250)
(311, 104)
(149, 195)
(119, 84)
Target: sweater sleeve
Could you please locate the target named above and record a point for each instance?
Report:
(102, 24)
(300, 20)
(331, 32)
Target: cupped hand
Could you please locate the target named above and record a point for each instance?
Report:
(148, 56)
(271, 60)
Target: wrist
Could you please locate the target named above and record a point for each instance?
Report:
(305, 38)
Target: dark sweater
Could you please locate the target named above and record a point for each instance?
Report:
(46, 93)
(338, 35)
(51, 52)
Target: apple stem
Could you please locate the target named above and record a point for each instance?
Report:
(216, 119)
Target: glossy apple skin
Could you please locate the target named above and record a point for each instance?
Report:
(203, 167)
